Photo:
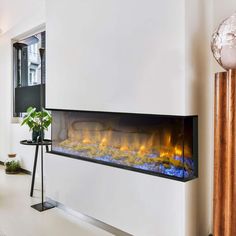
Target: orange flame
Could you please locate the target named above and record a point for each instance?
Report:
(142, 150)
(86, 141)
(124, 148)
(103, 142)
(178, 151)
(143, 144)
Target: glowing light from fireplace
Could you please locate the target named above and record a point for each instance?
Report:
(178, 151)
(142, 150)
(103, 142)
(86, 141)
(124, 148)
(159, 147)
(167, 138)
(136, 148)
(164, 154)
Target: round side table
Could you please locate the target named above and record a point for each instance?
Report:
(46, 143)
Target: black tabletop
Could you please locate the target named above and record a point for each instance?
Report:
(45, 142)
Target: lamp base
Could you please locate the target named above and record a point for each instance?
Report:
(43, 206)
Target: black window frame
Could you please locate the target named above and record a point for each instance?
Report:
(21, 67)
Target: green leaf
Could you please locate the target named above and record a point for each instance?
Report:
(37, 120)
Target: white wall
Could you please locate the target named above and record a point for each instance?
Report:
(199, 99)
(200, 69)
(222, 10)
(197, 85)
(114, 55)
(15, 20)
(137, 203)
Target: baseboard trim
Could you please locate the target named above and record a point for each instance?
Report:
(111, 229)
(22, 170)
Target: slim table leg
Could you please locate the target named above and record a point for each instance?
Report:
(44, 205)
(42, 189)
(34, 170)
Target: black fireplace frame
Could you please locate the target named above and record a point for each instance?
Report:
(124, 167)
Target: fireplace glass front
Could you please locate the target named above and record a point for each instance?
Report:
(153, 144)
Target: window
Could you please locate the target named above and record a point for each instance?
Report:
(28, 71)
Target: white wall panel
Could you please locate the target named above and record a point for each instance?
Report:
(112, 55)
(126, 56)
(137, 203)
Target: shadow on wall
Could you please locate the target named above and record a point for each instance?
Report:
(200, 89)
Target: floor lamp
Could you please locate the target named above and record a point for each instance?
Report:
(225, 154)
(223, 46)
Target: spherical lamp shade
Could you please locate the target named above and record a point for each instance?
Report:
(223, 44)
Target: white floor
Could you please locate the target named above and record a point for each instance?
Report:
(17, 218)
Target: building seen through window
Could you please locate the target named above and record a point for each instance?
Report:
(28, 70)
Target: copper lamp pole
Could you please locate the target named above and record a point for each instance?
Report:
(225, 154)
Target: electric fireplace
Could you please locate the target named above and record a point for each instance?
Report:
(159, 145)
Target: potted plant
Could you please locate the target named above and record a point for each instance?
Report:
(38, 121)
(12, 164)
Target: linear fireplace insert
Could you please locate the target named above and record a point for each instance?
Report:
(153, 144)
